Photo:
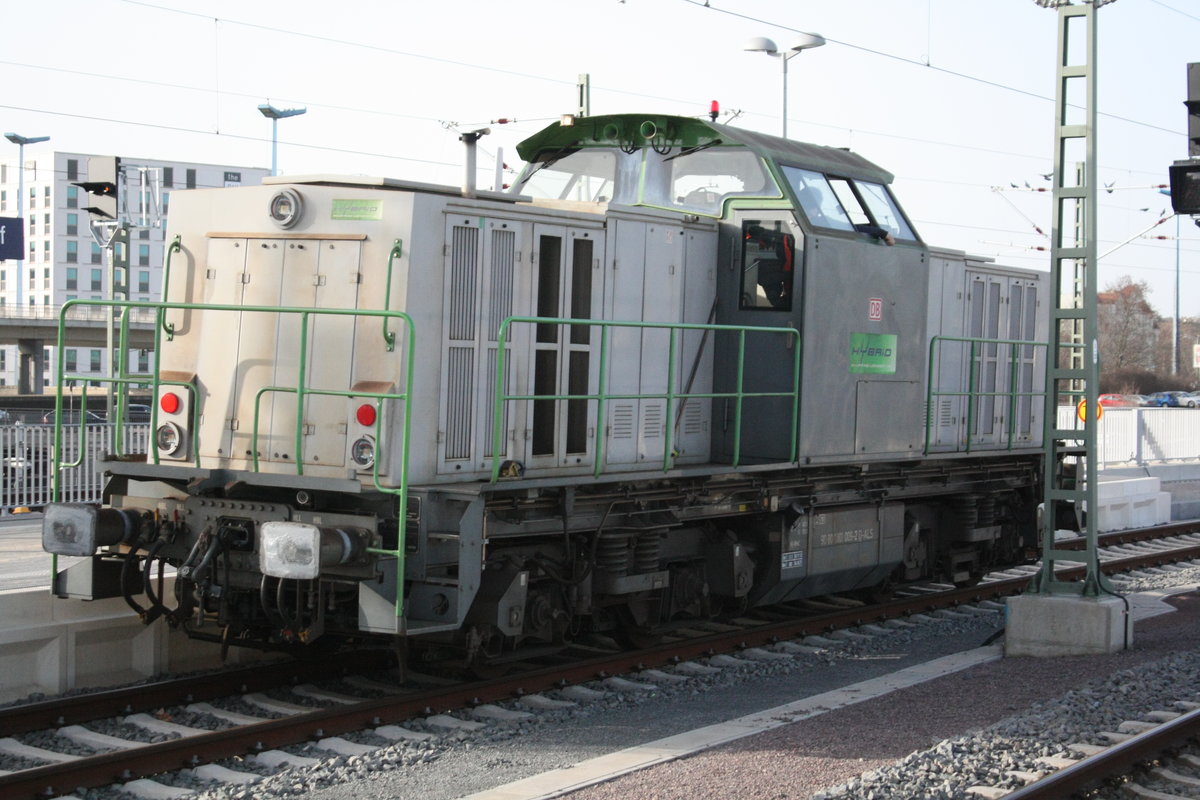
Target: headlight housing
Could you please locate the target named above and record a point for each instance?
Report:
(362, 452)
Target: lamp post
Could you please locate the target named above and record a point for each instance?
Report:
(275, 114)
(20, 141)
(805, 41)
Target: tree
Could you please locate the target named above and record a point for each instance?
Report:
(1127, 325)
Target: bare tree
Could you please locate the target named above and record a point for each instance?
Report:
(1127, 326)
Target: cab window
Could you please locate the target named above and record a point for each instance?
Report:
(768, 265)
(820, 204)
(884, 210)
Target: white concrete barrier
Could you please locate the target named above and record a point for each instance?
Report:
(50, 645)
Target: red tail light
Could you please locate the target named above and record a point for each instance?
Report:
(169, 402)
(365, 415)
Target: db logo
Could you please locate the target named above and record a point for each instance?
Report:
(875, 309)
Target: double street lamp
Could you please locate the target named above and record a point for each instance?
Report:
(20, 141)
(804, 41)
(275, 114)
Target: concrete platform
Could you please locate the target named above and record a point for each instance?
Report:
(50, 645)
(1058, 625)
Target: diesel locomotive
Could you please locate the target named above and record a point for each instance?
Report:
(680, 369)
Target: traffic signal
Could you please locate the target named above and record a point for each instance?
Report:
(104, 178)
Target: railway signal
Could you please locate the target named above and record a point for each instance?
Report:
(102, 185)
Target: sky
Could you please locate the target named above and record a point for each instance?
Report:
(955, 97)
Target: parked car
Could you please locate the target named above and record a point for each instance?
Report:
(1116, 401)
(137, 412)
(1166, 399)
(71, 417)
(1140, 399)
(1191, 400)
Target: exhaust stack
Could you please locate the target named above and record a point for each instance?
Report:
(469, 139)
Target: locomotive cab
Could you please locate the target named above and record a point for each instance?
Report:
(802, 229)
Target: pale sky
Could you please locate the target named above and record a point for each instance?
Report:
(953, 96)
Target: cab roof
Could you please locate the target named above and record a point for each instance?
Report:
(631, 131)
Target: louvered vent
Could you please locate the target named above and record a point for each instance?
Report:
(693, 418)
(504, 250)
(622, 421)
(462, 299)
(652, 421)
(459, 392)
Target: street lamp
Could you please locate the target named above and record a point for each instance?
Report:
(275, 114)
(20, 141)
(804, 41)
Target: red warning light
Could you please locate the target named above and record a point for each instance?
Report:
(365, 415)
(714, 111)
(169, 402)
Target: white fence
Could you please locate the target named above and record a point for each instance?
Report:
(1139, 436)
(26, 462)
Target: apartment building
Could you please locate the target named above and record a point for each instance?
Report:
(64, 261)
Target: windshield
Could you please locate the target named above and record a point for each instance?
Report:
(701, 180)
(844, 204)
(583, 175)
(696, 181)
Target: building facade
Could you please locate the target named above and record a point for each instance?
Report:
(64, 261)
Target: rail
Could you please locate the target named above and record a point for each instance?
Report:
(972, 393)
(672, 396)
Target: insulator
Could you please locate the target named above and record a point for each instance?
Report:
(612, 553)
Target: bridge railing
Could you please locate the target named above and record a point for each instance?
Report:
(77, 313)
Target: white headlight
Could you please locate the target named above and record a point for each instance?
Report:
(362, 452)
(169, 438)
(289, 550)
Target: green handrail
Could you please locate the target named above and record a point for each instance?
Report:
(972, 393)
(175, 246)
(671, 395)
(397, 251)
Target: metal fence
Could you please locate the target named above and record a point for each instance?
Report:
(1127, 436)
(26, 459)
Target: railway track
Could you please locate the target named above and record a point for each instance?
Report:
(1155, 748)
(384, 714)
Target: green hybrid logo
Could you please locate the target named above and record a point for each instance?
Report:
(873, 353)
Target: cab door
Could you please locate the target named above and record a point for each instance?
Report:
(760, 283)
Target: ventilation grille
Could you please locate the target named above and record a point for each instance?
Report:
(504, 250)
(459, 392)
(461, 312)
(622, 421)
(693, 418)
(652, 421)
